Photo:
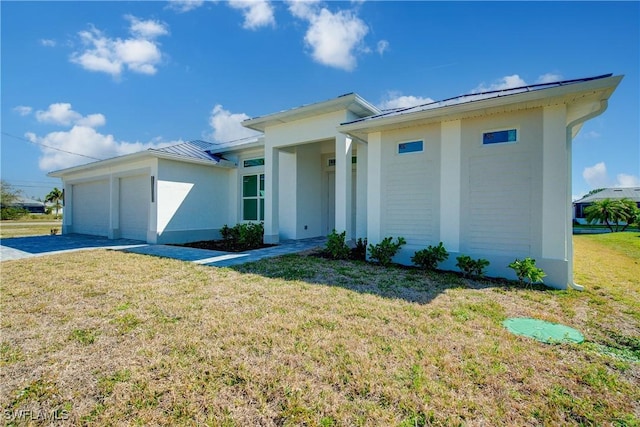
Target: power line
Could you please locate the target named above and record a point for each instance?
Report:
(48, 146)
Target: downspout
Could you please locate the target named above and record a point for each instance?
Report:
(603, 106)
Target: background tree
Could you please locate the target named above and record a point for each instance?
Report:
(55, 197)
(612, 213)
(8, 197)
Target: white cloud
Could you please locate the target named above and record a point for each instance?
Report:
(333, 37)
(592, 134)
(257, 13)
(61, 114)
(23, 110)
(549, 78)
(625, 180)
(397, 100)
(182, 6)
(227, 126)
(148, 30)
(303, 9)
(139, 53)
(383, 46)
(597, 177)
(47, 42)
(506, 82)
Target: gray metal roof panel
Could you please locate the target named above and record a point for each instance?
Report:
(196, 149)
(473, 97)
(632, 193)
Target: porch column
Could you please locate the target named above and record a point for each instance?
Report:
(271, 200)
(374, 188)
(343, 185)
(114, 208)
(361, 193)
(556, 196)
(67, 208)
(450, 189)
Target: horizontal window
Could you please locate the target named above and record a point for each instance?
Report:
(410, 147)
(500, 136)
(253, 162)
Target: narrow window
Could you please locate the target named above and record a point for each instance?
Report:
(253, 162)
(500, 136)
(253, 197)
(410, 147)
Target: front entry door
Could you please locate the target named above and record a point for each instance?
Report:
(331, 202)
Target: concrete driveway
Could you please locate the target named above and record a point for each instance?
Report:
(27, 247)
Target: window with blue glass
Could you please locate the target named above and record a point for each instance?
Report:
(500, 136)
(410, 147)
(253, 162)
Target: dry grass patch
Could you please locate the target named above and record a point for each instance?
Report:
(106, 337)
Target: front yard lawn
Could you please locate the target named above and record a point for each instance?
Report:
(113, 338)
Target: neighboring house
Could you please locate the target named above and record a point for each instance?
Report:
(31, 205)
(631, 193)
(488, 174)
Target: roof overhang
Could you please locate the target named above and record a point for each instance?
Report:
(591, 91)
(141, 155)
(351, 102)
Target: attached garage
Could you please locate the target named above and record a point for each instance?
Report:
(135, 197)
(90, 211)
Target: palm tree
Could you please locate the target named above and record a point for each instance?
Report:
(612, 212)
(55, 196)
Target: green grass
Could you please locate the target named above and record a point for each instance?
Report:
(113, 338)
(29, 227)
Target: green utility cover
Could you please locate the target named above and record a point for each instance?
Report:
(540, 330)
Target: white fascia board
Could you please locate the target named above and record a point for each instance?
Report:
(310, 110)
(100, 163)
(137, 156)
(537, 98)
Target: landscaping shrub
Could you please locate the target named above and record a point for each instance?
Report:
(471, 267)
(526, 269)
(384, 251)
(12, 213)
(430, 257)
(336, 247)
(360, 251)
(242, 237)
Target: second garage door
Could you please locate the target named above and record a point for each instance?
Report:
(90, 212)
(134, 207)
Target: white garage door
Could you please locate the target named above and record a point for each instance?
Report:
(91, 208)
(135, 196)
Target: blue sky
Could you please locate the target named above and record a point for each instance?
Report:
(109, 78)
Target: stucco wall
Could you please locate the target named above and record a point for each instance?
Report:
(493, 194)
(411, 187)
(192, 201)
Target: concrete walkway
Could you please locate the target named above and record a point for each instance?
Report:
(27, 247)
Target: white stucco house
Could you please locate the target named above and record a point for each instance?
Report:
(488, 174)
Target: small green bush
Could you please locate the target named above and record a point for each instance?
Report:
(10, 212)
(360, 251)
(471, 267)
(384, 251)
(429, 258)
(336, 247)
(526, 269)
(242, 237)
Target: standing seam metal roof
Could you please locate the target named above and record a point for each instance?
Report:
(472, 97)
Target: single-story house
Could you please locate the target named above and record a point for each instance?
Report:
(631, 193)
(488, 174)
(30, 205)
